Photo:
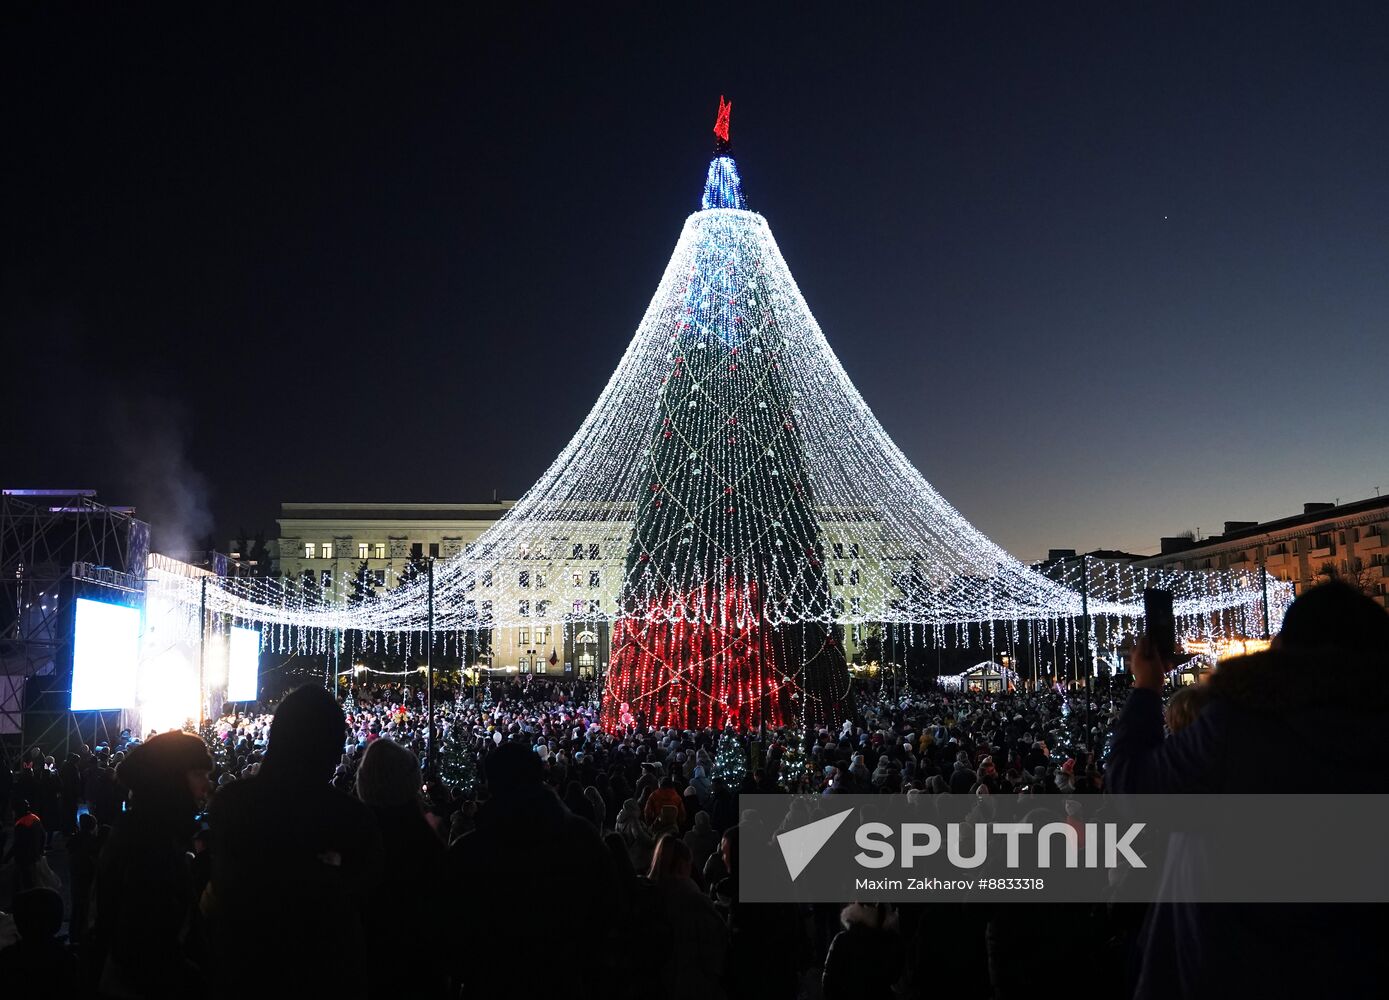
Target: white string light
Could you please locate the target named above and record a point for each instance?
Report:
(893, 549)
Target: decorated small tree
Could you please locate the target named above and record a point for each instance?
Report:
(458, 761)
(731, 761)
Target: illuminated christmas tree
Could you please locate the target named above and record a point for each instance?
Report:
(726, 533)
(458, 761)
(731, 760)
(728, 461)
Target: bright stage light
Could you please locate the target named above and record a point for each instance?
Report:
(243, 676)
(105, 656)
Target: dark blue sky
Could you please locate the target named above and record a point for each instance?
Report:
(1103, 274)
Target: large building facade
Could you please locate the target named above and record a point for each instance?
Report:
(573, 589)
(331, 543)
(1345, 541)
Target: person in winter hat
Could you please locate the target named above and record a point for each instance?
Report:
(865, 959)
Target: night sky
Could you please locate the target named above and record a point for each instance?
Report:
(1103, 275)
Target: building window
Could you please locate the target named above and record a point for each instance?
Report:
(524, 609)
(576, 580)
(539, 580)
(578, 552)
(839, 578)
(523, 637)
(857, 634)
(594, 607)
(363, 550)
(434, 550)
(839, 606)
(594, 578)
(327, 578)
(378, 550)
(379, 575)
(853, 578)
(855, 606)
(310, 550)
(525, 664)
(524, 550)
(853, 550)
(487, 578)
(417, 550)
(587, 659)
(525, 578)
(593, 550)
(839, 550)
(578, 607)
(327, 550)
(542, 634)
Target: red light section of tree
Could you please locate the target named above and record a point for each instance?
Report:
(721, 124)
(667, 671)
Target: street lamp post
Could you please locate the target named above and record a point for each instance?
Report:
(429, 671)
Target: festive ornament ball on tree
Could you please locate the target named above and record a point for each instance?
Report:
(731, 761)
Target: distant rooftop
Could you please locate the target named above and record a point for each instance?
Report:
(1311, 514)
(487, 510)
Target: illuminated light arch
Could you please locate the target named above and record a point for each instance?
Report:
(905, 556)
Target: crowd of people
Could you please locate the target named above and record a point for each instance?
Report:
(314, 845)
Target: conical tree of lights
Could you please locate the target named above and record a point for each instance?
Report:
(727, 521)
(731, 504)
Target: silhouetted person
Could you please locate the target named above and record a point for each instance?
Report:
(405, 909)
(293, 861)
(83, 850)
(767, 943)
(1327, 674)
(694, 966)
(527, 847)
(865, 958)
(69, 795)
(144, 888)
(39, 965)
(27, 845)
(6, 786)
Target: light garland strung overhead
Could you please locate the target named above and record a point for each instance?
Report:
(730, 476)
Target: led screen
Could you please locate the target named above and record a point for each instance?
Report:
(243, 670)
(105, 656)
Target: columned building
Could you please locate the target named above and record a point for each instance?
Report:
(330, 543)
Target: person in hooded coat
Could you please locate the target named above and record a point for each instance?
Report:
(701, 840)
(527, 847)
(865, 958)
(39, 966)
(1328, 674)
(146, 938)
(388, 780)
(293, 860)
(694, 966)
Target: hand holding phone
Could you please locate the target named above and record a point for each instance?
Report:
(1160, 624)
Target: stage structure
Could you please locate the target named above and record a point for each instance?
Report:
(759, 508)
(58, 546)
